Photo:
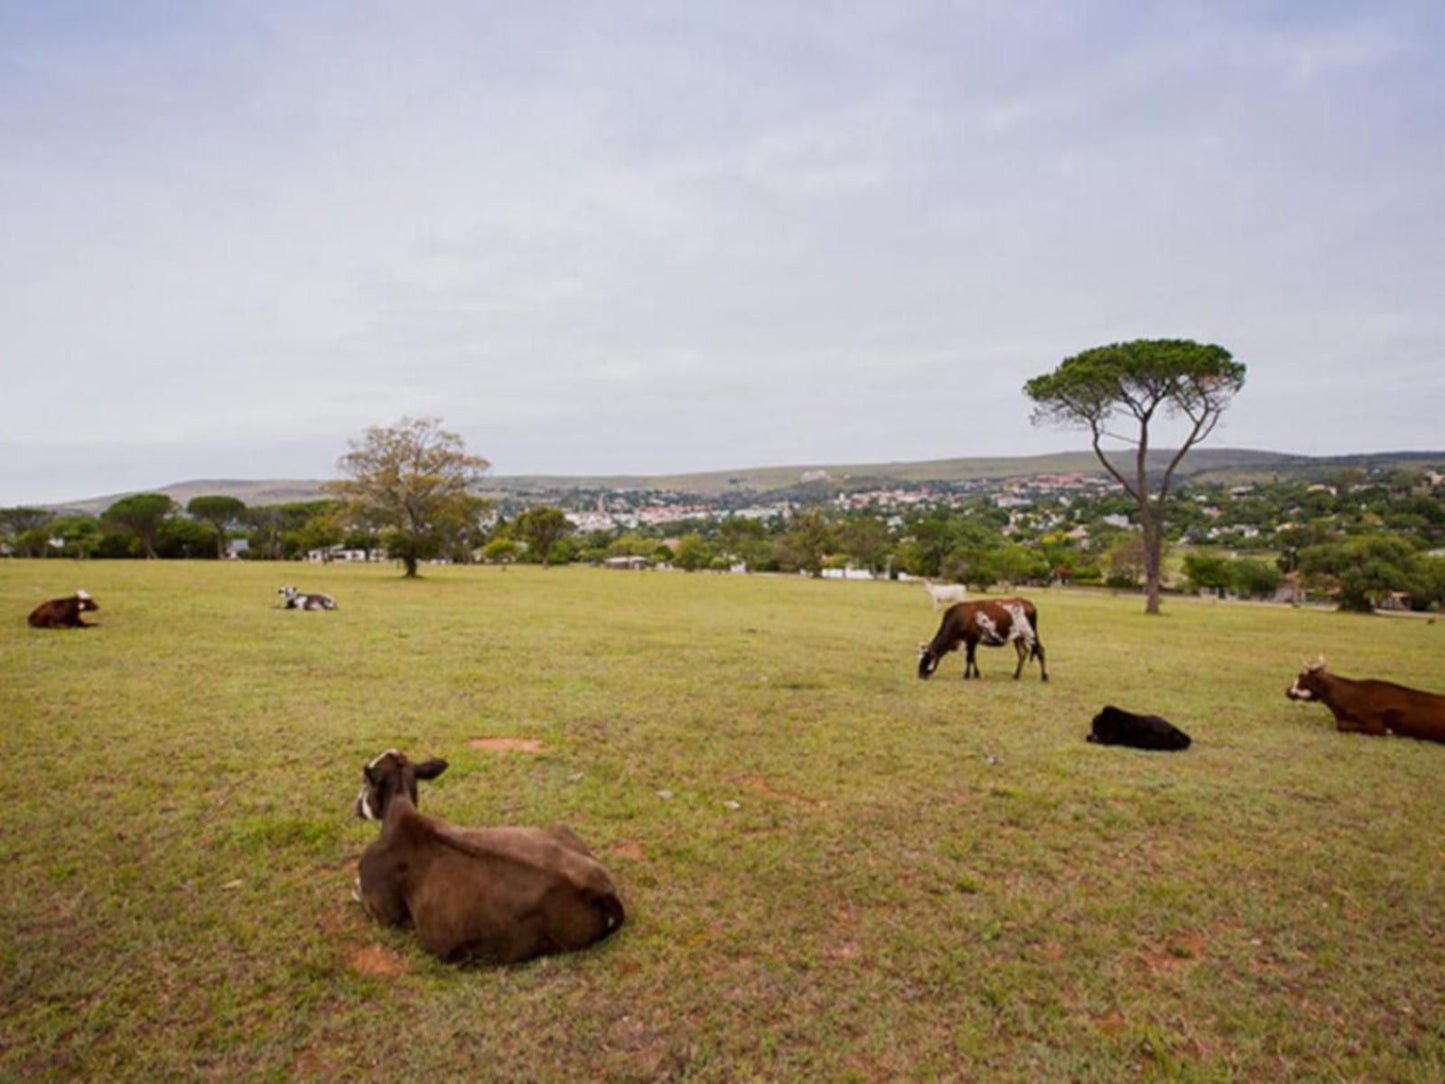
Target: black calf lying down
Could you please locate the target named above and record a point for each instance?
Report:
(1114, 726)
(297, 600)
(63, 613)
(494, 894)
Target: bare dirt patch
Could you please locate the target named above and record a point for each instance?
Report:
(1180, 953)
(507, 745)
(334, 919)
(629, 849)
(309, 1064)
(375, 960)
(760, 785)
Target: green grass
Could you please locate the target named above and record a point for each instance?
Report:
(919, 880)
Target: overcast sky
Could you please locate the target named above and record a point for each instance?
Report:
(656, 237)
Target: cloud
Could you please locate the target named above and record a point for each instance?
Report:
(646, 238)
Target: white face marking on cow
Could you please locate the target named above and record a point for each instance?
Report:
(363, 802)
(382, 756)
(1299, 692)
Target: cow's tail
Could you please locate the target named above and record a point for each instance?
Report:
(1037, 650)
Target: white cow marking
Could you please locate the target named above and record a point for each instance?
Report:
(1022, 628)
(382, 756)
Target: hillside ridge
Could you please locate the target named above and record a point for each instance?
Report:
(1233, 464)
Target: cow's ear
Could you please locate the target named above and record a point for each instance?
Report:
(430, 769)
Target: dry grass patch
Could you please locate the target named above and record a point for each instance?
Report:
(507, 745)
(376, 960)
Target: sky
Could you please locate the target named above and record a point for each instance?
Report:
(625, 237)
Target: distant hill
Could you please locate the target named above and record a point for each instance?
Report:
(256, 493)
(1233, 465)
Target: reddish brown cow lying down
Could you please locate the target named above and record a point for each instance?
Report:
(63, 613)
(1372, 707)
(494, 894)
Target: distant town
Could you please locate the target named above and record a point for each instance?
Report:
(1365, 535)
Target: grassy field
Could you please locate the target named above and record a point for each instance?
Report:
(833, 870)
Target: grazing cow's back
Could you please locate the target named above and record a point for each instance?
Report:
(991, 622)
(941, 593)
(63, 613)
(495, 894)
(1114, 726)
(1373, 707)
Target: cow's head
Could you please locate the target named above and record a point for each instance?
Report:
(927, 661)
(1310, 684)
(86, 602)
(389, 775)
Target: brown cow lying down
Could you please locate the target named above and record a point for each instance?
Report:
(500, 895)
(1373, 707)
(63, 613)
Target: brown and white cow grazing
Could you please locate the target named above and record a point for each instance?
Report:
(1372, 707)
(991, 622)
(500, 895)
(63, 613)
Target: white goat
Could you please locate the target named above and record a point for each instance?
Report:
(942, 593)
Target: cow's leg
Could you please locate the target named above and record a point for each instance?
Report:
(970, 664)
(1351, 724)
(1021, 649)
(1038, 650)
(379, 892)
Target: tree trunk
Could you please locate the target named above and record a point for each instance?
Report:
(1152, 570)
(410, 563)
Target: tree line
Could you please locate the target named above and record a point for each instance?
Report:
(1358, 562)
(409, 491)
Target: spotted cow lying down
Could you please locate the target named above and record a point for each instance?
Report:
(293, 599)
